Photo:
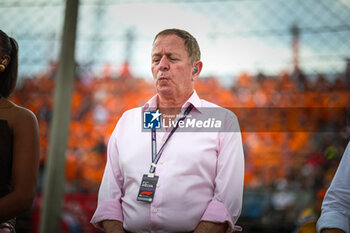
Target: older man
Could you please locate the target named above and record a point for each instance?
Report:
(187, 182)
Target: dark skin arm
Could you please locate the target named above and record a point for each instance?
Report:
(26, 150)
(211, 227)
(113, 226)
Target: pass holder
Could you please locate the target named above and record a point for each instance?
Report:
(148, 187)
(149, 181)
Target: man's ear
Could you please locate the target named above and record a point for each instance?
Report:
(197, 68)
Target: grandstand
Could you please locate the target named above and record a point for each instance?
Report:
(301, 163)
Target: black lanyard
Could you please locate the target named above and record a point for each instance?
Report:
(156, 156)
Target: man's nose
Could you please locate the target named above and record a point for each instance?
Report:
(164, 63)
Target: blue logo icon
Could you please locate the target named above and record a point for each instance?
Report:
(151, 119)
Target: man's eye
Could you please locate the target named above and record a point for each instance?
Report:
(155, 60)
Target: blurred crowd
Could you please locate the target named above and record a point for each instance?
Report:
(284, 157)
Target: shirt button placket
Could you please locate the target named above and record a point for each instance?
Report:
(153, 218)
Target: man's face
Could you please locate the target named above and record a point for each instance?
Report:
(171, 68)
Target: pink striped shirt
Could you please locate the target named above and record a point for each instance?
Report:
(200, 176)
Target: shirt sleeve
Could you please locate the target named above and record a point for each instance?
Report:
(110, 192)
(226, 204)
(336, 203)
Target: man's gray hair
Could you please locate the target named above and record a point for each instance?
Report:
(191, 44)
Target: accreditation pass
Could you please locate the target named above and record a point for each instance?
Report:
(147, 188)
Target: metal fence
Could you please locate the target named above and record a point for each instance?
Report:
(235, 35)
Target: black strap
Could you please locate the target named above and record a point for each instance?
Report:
(156, 156)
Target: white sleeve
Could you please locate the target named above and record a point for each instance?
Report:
(336, 204)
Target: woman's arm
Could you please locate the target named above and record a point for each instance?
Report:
(26, 150)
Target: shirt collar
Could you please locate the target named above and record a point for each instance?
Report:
(152, 103)
(194, 100)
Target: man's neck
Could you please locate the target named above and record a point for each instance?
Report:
(172, 106)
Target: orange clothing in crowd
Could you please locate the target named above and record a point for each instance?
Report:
(98, 104)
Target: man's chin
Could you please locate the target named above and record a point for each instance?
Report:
(165, 91)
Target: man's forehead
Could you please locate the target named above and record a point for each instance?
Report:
(168, 41)
(167, 52)
(169, 45)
